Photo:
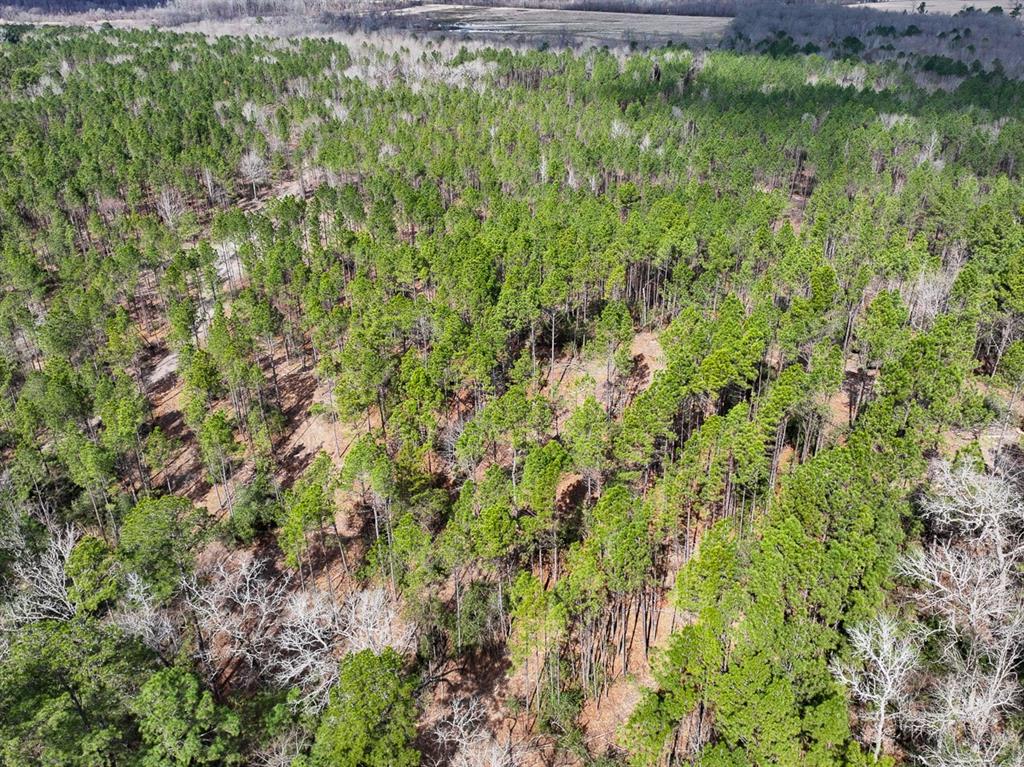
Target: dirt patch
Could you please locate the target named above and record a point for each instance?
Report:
(999, 442)
(573, 379)
(603, 717)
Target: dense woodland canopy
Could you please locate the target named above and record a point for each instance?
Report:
(668, 406)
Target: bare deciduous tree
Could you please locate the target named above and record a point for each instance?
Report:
(158, 628)
(466, 740)
(968, 577)
(248, 619)
(214, 191)
(282, 751)
(308, 647)
(41, 583)
(371, 621)
(314, 633)
(169, 205)
(965, 707)
(12, 540)
(886, 659)
(983, 505)
(926, 296)
(960, 587)
(1002, 749)
(253, 169)
(237, 607)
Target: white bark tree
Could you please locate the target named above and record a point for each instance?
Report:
(213, 189)
(969, 578)
(963, 587)
(249, 620)
(886, 659)
(370, 621)
(41, 583)
(140, 616)
(169, 206)
(314, 633)
(308, 646)
(253, 169)
(282, 751)
(468, 742)
(237, 607)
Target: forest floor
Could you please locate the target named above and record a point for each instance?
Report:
(576, 376)
(305, 434)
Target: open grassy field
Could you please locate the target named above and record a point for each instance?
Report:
(935, 6)
(511, 26)
(513, 23)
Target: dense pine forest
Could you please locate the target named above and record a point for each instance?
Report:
(404, 403)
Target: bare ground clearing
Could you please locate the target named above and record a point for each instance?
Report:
(574, 378)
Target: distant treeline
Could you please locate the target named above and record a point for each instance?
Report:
(213, 9)
(373, 13)
(60, 7)
(937, 45)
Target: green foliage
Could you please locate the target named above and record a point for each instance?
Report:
(181, 724)
(884, 333)
(538, 620)
(309, 504)
(158, 540)
(63, 690)
(814, 260)
(588, 436)
(217, 445)
(92, 570)
(541, 472)
(613, 334)
(371, 718)
(256, 509)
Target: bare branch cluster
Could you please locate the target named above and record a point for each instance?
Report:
(464, 735)
(41, 583)
(887, 658)
(308, 645)
(315, 632)
(968, 579)
(170, 205)
(969, 572)
(250, 619)
(253, 169)
(282, 751)
(371, 622)
(141, 616)
(236, 608)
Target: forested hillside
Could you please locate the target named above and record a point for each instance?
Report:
(393, 405)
